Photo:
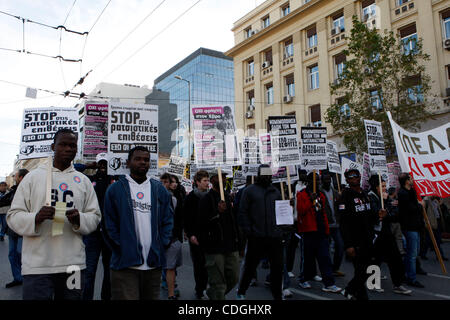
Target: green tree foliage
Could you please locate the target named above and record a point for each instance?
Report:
(379, 76)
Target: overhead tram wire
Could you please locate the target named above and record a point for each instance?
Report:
(60, 41)
(84, 47)
(164, 29)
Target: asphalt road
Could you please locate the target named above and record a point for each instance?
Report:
(437, 285)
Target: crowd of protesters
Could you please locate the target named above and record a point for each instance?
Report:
(137, 224)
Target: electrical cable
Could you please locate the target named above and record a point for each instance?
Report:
(164, 29)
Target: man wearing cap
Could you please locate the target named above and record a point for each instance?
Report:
(95, 242)
(219, 238)
(257, 220)
(357, 228)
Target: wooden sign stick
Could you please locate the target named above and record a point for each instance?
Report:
(289, 182)
(282, 190)
(338, 183)
(381, 191)
(222, 195)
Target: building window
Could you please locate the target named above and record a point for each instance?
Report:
(338, 24)
(375, 100)
(290, 85)
(288, 50)
(408, 37)
(250, 68)
(313, 73)
(339, 64)
(446, 24)
(448, 76)
(368, 10)
(344, 108)
(414, 92)
(267, 56)
(401, 2)
(285, 10)
(265, 22)
(248, 32)
(316, 118)
(269, 93)
(306, 1)
(250, 99)
(311, 37)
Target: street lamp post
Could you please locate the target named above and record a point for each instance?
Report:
(189, 107)
(178, 134)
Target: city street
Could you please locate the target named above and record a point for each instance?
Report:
(437, 285)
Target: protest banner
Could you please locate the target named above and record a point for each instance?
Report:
(187, 184)
(426, 156)
(215, 141)
(349, 164)
(250, 156)
(375, 145)
(177, 166)
(394, 171)
(131, 125)
(314, 148)
(95, 132)
(284, 140)
(39, 127)
(365, 173)
(334, 165)
(265, 148)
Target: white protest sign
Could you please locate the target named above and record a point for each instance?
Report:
(314, 148)
(39, 127)
(265, 147)
(284, 140)
(365, 173)
(375, 145)
(426, 155)
(177, 166)
(250, 156)
(334, 165)
(394, 171)
(349, 164)
(283, 212)
(280, 174)
(187, 184)
(131, 125)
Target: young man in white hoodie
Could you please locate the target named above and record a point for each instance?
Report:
(53, 266)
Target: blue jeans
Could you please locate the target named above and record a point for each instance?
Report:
(94, 246)
(15, 257)
(4, 225)
(412, 251)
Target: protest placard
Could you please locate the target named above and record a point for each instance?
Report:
(95, 132)
(39, 127)
(365, 174)
(375, 145)
(280, 174)
(349, 164)
(284, 140)
(394, 171)
(131, 125)
(425, 155)
(334, 165)
(250, 156)
(215, 141)
(314, 148)
(177, 166)
(265, 148)
(283, 212)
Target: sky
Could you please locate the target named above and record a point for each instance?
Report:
(207, 24)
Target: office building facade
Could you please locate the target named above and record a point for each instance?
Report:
(209, 76)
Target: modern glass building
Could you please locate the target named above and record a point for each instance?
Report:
(210, 76)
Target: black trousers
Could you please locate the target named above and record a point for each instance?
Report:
(200, 273)
(385, 250)
(292, 248)
(258, 248)
(357, 286)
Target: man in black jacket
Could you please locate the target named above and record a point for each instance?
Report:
(357, 228)
(15, 241)
(219, 238)
(411, 220)
(191, 229)
(258, 222)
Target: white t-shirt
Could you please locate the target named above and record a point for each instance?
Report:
(141, 200)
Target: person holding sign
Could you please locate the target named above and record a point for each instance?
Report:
(313, 226)
(219, 239)
(48, 261)
(385, 246)
(257, 219)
